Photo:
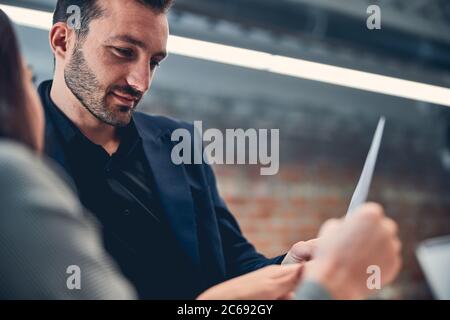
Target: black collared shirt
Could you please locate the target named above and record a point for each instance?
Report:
(120, 191)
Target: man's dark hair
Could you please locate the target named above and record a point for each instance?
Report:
(90, 10)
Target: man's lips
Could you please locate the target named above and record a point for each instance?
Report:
(125, 99)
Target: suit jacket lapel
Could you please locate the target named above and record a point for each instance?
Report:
(172, 185)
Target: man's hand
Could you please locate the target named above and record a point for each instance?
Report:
(269, 283)
(301, 252)
(347, 248)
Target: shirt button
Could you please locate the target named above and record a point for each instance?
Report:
(126, 212)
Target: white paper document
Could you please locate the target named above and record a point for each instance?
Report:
(362, 189)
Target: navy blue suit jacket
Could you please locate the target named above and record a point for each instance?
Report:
(198, 216)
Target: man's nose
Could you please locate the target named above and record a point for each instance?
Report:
(139, 77)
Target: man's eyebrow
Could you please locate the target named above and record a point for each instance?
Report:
(137, 43)
(130, 40)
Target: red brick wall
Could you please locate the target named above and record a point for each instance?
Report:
(291, 206)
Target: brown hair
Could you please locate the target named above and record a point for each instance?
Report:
(13, 110)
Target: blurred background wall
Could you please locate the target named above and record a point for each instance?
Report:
(325, 130)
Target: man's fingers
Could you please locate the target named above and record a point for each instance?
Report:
(391, 226)
(370, 211)
(288, 282)
(372, 208)
(397, 246)
(285, 270)
(313, 242)
(288, 296)
(330, 226)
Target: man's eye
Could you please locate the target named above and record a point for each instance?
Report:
(154, 64)
(124, 53)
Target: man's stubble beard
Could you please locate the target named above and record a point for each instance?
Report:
(84, 85)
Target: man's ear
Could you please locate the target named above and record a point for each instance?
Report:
(60, 37)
